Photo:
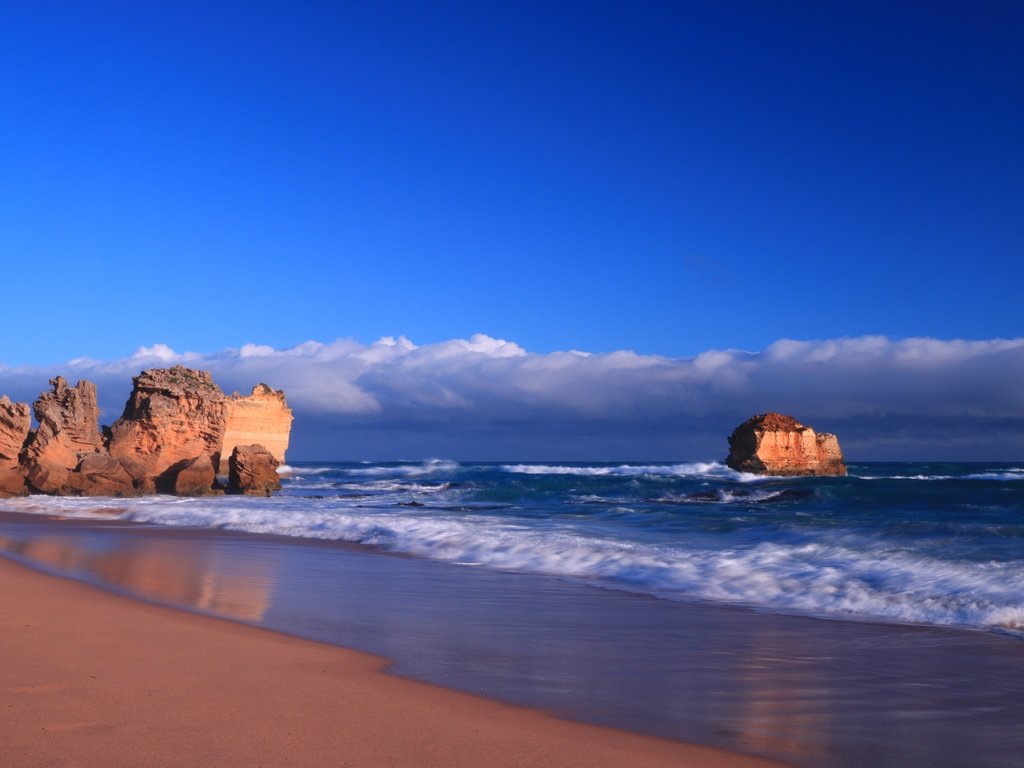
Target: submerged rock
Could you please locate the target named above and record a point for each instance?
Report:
(776, 444)
(252, 470)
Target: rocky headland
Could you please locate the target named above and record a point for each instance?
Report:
(178, 434)
(775, 444)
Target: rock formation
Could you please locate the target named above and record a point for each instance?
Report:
(189, 477)
(774, 444)
(263, 417)
(252, 470)
(68, 430)
(99, 474)
(173, 415)
(15, 423)
(169, 439)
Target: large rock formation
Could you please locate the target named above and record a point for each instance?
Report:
(68, 430)
(263, 417)
(775, 444)
(15, 423)
(252, 471)
(169, 440)
(173, 415)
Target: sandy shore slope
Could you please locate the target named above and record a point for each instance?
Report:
(89, 678)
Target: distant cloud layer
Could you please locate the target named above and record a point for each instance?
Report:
(487, 398)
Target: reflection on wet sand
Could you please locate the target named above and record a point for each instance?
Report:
(781, 708)
(161, 571)
(805, 691)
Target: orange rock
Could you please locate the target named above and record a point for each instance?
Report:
(262, 418)
(99, 474)
(775, 444)
(15, 423)
(252, 470)
(190, 477)
(68, 430)
(173, 414)
(170, 438)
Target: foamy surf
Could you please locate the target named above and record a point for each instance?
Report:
(946, 553)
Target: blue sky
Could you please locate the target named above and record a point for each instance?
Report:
(666, 178)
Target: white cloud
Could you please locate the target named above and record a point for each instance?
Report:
(485, 397)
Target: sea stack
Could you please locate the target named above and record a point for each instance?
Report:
(177, 430)
(776, 444)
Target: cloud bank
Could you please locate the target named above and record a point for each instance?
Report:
(486, 398)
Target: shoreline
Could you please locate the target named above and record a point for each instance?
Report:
(799, 690)
(115, 680)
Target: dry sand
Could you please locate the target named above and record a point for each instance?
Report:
(89, 678)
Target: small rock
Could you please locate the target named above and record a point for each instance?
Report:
(252, 470)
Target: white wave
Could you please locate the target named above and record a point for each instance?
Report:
(904, 477)
(695, 469)
(841, 575)
(722, 496)
(286, 469)
(395, 486)
(1013, 474)
(406, 470)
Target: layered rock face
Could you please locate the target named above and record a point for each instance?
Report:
(173, 415)
(169, 439)
(68, 431)
(15, 423)
(262, 418)
(775, 444)
(252, 470)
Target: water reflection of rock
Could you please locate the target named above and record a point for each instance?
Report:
(166, 571)
(783, 707)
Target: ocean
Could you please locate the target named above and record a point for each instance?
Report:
(877, 617)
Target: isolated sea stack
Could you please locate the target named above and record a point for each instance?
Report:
(775, 444)
(176, 433)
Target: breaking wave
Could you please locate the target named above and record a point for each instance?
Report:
(945, 553)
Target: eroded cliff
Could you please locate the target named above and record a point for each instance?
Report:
(170, 438)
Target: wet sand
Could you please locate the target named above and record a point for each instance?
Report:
(90, 678)
(799, 690)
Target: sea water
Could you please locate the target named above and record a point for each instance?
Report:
(932, 544)
(683, 600)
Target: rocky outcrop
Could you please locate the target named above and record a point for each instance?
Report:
(15, 423)
(775, 444)
(169, 439)
(99, 474)
(173, 415)
(262, 417)
(190, 477)
(68, 430)
(252, 470)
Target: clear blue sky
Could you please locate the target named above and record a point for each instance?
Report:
(665, 177)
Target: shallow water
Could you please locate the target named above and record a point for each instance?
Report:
(810, 691)
(939, 544)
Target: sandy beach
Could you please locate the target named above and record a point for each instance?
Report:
(95, 679)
